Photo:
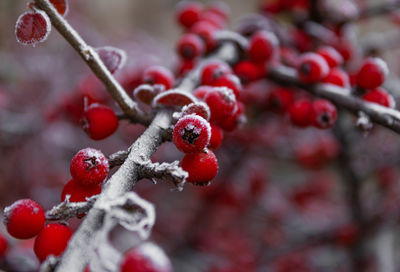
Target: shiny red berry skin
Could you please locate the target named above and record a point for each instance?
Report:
(3, 246)
(279, 100)
(202, 167)
(248, 71)
(79, 193)
(301, 113)
(190, 46)
(158, 75)
(191, 133)
(217, 135)
(24, 218)
(52, 240)
(379, 96)
(324, 114)
(222, 103)
(188, 13)
(262, 46)
(372, 74)
(89, 167)
(206, 31)
(332, 57)
(146, 258)
(312, 68)
(214, 70)
(99, 121)
(230, 81)
(337, 77)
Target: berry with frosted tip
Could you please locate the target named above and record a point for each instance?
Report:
(312, 68)
(202, 167)
(99, 121)
(372, 74)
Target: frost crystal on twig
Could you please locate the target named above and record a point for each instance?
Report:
(66, 209)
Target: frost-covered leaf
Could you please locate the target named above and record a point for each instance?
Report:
(61, 6)
(174, 98)
(146, 93)
(112, 57)
(32, 27)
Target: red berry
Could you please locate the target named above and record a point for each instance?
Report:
(301, 113)
(346, 235)
(379, 96)
(372, 73)
(191, 133)
(89, 167)
(24, 219)
(262, 46)
(230, 81)
(146, 258)
(248, 71)
(212, 18)
(279, 100)
(198, 108)
(32, 27)
(217, 136)
(158, 75)
(52, 240)
(214, 70)
(331, 56)
(61, 6)
(312, 68)
(184, 66)
(202, 167)
(190, 46)
(79, 193)
(324, 114)
(202, 91)
(337, 77)
(188, 13)
(219, 8)
(99, 121)
(222, 103)
(206, 31)
(3, 246)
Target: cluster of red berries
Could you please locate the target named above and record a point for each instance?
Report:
(25, 219)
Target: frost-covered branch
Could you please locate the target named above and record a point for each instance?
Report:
(66, 209)
(89, 55)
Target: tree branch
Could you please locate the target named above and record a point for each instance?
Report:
(66, 209)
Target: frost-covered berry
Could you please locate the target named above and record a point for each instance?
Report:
(206, 31)
(188, 13)
(202, 167)
(248, 71)
(79, 193)
(262, 46)
(145, 258)
(324, 114)
(222, 103)
(32, 27)
(217, 136)
(99, 121)
(279, 100)
(158, 75)
(230, 81)
(214, 70)
(201, 92)
(89, 167)
(190, 46)
(61, 6)
(191, 133)
(372, 73)
(337, 77)
(331, 56)
(52, 240)
(24, 218)
(198, 108)
(300, 113)
(312, 68)
(379, 96)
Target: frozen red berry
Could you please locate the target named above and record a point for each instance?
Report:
(231, 81)
(332, 57)
(248, 71)
(279, 100)
(24, 218)
(372, 73)
(146, 258)
(206, 31)
(217, 136)
(222, 103)
(198, 108)
(324, 114)
(379, 96)
(158, 75)
(32, 27)
(202, 91)
(52, 240)
(214, 70)
(79, 193)
(300, 113)
(99, 121)
(219, 8)
(337, 77)
(312, 68)
(61, 6)
(262, 46)
(191, 133)
(89, 167)
(202, 167)
(190, 46)
(188, 13)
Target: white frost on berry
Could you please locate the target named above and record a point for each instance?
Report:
(199, 108)
(33, 23)
(204, 125)
(174, 97)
